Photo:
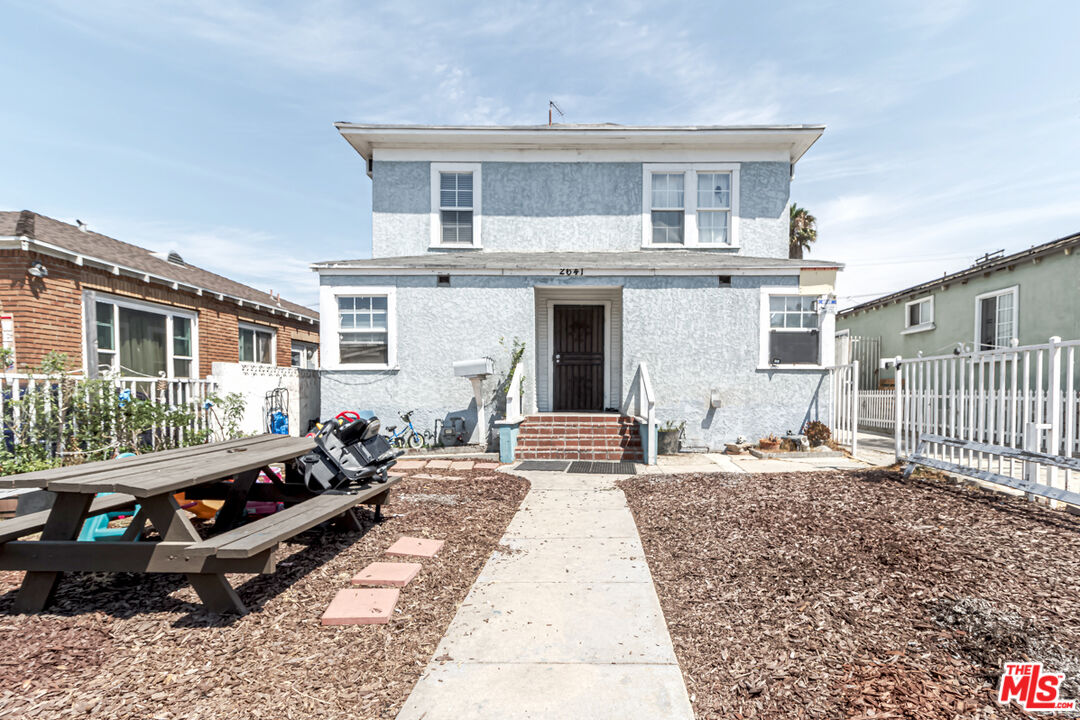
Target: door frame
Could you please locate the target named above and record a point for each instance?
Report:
(606, 365)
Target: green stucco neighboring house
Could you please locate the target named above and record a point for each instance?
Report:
(1026, 297)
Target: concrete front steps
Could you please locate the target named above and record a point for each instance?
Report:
(579, 436)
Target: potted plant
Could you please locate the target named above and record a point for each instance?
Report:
(667, 442)
(769, 442)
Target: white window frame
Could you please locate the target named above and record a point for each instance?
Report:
(690, 212)
(329, 342)
(90, 346)
(241, 325)
(826, 332)
(1013, 290)
(923, 326)
(436, 218)
(305, 344)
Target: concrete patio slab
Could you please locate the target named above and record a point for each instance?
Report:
(562, 500)
(566, 481)
(361, 607)
(752, 464)
(576, 522)
(415, 547)
(559, 560)
(542, 690)
(391, 574)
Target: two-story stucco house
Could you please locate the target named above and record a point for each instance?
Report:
(602, 247)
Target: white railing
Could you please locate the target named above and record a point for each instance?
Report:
(515, 396)
(844, 405)
(996, 397)
(877, 410)
(644, 411)
(48, 410)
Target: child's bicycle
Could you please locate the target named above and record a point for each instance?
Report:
(408, 436)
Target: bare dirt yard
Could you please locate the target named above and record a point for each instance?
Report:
(126, 646)
(856, 594)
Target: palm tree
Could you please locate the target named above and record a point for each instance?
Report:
(802, 231)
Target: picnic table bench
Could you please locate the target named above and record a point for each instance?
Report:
(224, 470)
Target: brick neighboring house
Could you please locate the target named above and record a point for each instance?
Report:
(110, 304)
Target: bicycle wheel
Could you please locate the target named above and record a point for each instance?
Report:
(416, 441)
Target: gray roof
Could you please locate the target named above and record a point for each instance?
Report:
(39, 228)
(707, 262)
(978, 268)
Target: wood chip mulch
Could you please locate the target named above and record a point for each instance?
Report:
(129, 646)
(857, 594)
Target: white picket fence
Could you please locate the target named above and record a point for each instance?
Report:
(1022, 397)
(844, 405)
(26, 422)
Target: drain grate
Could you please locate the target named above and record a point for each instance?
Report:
(603, 468)
(550, 465)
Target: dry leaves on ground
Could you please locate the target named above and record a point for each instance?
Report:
(134, 646)
(857, 595)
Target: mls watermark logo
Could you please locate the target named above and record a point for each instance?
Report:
(1032, 689)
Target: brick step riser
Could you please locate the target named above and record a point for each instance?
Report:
(596, 456)
(573, 444)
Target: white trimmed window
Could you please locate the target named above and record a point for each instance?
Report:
(919, 315)
(997, 318)
(305, 355)
(257, 344)
(360, 328)
(139, 339)
(690, 205)
(793, 330)
(455, 205)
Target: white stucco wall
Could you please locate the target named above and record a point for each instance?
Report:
(253, 381)
(695, 336)
(564, 206)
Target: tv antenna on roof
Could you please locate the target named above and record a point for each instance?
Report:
(556, 108)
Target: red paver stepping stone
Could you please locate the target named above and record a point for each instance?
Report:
(410, 464)
(361, 607)
(462, 465)
(418, 547)
(439, 464)
(487, 466)
(387, 573)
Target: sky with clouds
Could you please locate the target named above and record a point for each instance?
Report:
(205, 125)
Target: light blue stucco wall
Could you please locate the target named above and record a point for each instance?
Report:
(563, 206)
(695, 336)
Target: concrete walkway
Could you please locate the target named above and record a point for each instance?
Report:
(564, 623)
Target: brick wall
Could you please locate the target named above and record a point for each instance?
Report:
(48, 312)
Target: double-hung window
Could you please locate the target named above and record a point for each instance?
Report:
(359, 331)
(139, 339)
(690, 205)
(668, 209)
(793, 330)
(305, 355)
(919, 315)
(997, 315)
(257, 344)
(455, 205)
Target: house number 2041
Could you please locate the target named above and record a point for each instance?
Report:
(571, 271)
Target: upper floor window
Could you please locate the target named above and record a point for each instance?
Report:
(455, 205)
(690, 205)
(997, 316)
(919, 315)
(257, 344)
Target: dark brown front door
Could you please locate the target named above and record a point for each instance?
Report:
(578, 357)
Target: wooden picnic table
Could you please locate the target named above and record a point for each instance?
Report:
(225, 470)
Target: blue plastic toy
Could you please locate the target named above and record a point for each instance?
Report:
(97, 527)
